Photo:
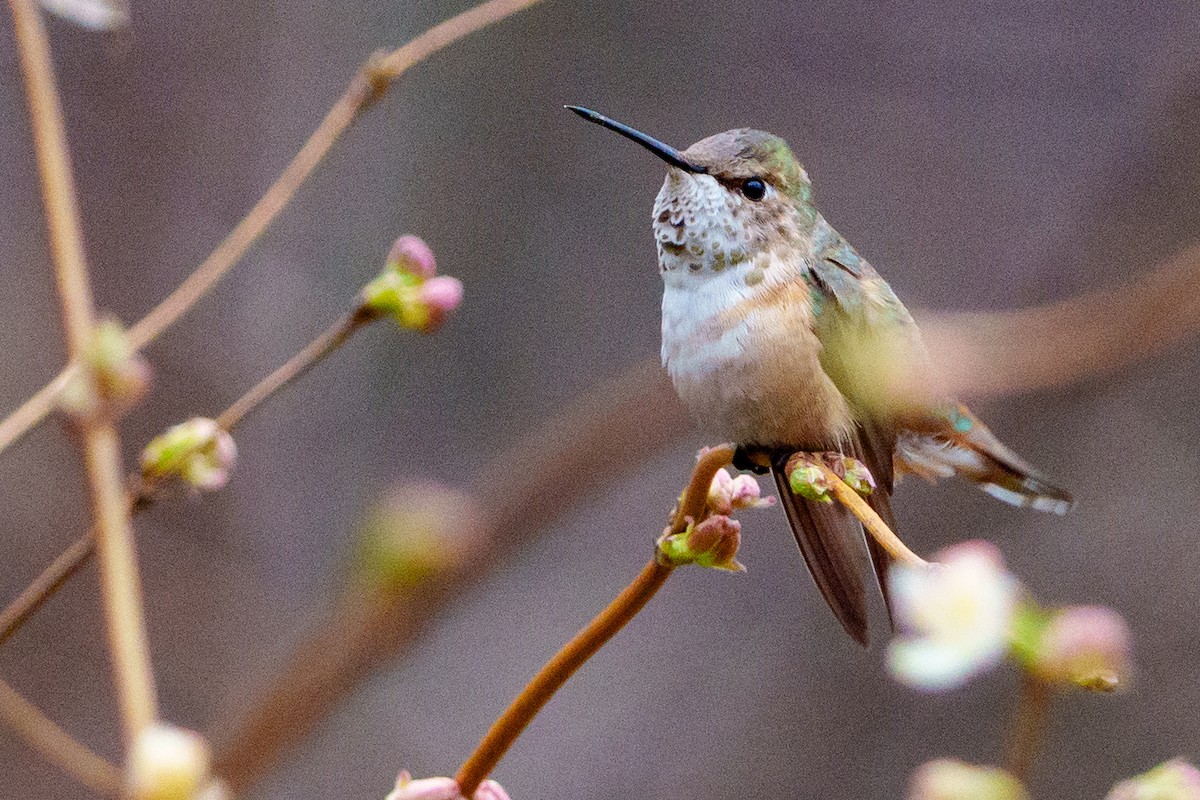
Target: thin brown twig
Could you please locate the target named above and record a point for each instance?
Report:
(56, 745)
(120, 582)
(45, 585)
(313, 353)
(556, 672)
(848, 497)
(369, 85)
(575, 653)
(696, 493)
(69, 562)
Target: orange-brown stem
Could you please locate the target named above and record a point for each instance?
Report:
(588, 641)
(556, 672)
(696, 494)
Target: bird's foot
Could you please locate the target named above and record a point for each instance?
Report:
(748, 458)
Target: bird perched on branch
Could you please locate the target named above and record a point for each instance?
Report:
(778, 336)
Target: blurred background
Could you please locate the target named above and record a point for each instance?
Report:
(981, 156)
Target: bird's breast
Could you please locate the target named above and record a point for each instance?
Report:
(745, 361)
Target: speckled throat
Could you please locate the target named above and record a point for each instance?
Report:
(702, 227)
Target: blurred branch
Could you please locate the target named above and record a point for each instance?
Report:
(1029, 724)
(120, 583)
(368, 86)
(56, 745)
(595, 442)
(984, 354)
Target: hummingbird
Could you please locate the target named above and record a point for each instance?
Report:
(780, 337)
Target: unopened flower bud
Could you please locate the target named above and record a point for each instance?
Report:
(1173, 780)
(712, 543)
(948, 779)
(440, 295)
(807, 479)
(198, 452)
(411, 254)
(408, 290)
(720, 493)
(746, 493)
(857, 476)
(167, 763)
(1088, 646)
(416, 533)
(112, 378)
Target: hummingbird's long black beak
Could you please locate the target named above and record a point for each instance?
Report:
(664, 151)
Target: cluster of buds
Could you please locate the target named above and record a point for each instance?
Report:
(410, 291)
(112, 377)
(169, 763)
(729, 493)
(1086, 646)
(809, 480)
(967, 612)
(414, 534)
(714, 539)
(947, 779)
(199, 452)
(441, 789)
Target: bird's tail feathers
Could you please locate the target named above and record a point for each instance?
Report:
(831, 541)
(972, 451)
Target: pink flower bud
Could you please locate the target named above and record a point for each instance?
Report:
(720, 493)
(442, 294)
(198, 451)
(411, 254)
(747, 493)
(715, 541)
(1085, 645)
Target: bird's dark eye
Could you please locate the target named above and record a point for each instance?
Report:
(754, 189)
